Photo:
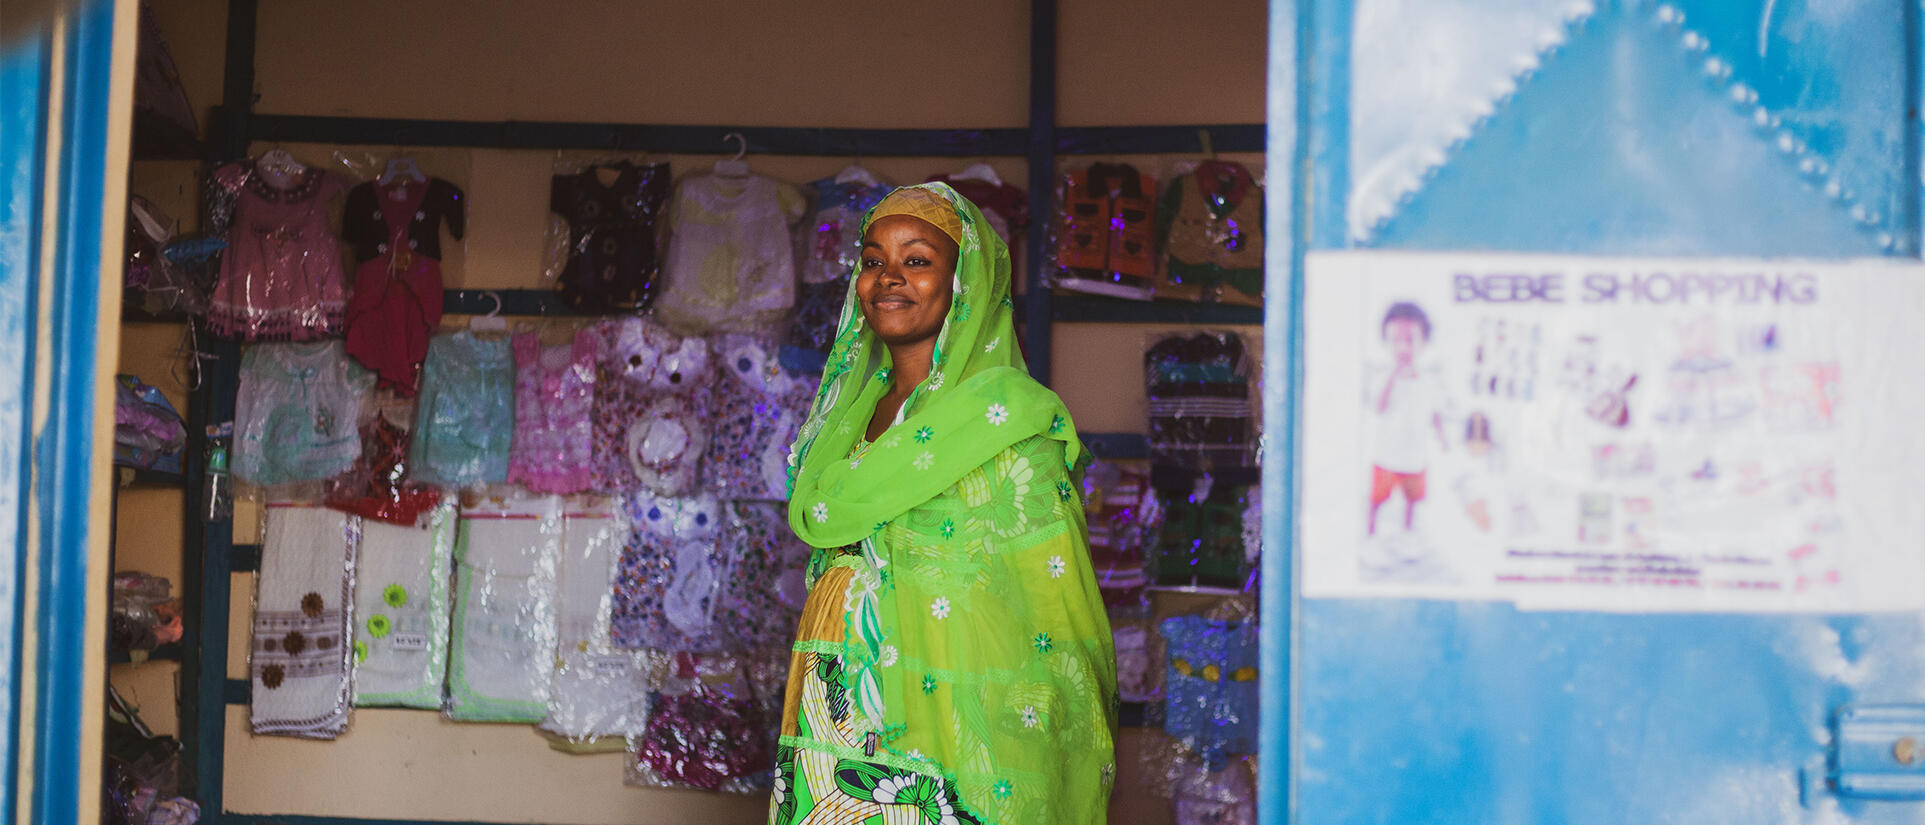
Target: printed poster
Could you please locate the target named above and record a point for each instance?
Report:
(1615, 434)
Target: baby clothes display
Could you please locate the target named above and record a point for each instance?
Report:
(1202, 540)
(1136, 677)
(297, 413)
(670, 574)
(554, 414)
(705, 731)
(1211, 222)
(401, 612)
(651, 408)
(1200, 411)
(298, 661)
(502, 651)
(729, 266)
(613, 255)
(1212, 686)
(1104, 245)
(761, 597)
(758, 408)
(1005, 207)
(374, 488)
(828, 249)
(1121, 511)
(465, 419)
(282, 278)
(596, 688)
(395, 230)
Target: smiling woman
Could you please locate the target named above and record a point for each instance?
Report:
(954, 663)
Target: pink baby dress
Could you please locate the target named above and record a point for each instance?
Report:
(554, 414)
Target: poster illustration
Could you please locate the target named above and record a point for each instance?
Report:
(1614, 434)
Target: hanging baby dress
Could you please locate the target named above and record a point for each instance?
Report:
(296, 414)
(554, 414)
(395, 229)
(613, 257)
(730, 267)
(281, 277)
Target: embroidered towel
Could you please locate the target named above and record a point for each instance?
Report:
(299, 657)
(598, 690)
(502, 652)
(401, 612)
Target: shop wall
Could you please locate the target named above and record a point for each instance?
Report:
(846, 64)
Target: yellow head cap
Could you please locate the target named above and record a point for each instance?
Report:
(918, 202)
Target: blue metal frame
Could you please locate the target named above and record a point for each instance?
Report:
(23, 107)
(64, 454)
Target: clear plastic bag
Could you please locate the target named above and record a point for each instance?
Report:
(401, 611)
(502, 652)
(1212, 686)
(1122, 514)
(706, 730)
(1201, 541)
(599, 691)
(652, 403)
(1103, 236)
(465, 419)
(761, 597)
(1223, 796)
(393, 221)
(606, 232)
(1201, 415)
(378, 486)
(729, 267)
(300, 656)
(144, 615)
(554, 413)
(1210, 228)
(297, 414)
(147, 431)
(757, 409)
(282, 276)
(670, 575)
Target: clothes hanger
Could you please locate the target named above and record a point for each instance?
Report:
(492, 322)
(734, 167)
(979, 171)
(278, 162)
(402, 167)
(854, 173)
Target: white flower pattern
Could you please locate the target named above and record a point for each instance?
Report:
(936, 381)
(997, 414)
(940, 607)
(1029, 716)
(993, 342)
(821, 512)
(887, 789)
(1056, 567)
(924, 461)
(889, 655)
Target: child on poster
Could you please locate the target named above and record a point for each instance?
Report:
(1405, 404)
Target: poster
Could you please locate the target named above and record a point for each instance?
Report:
(1614, 434)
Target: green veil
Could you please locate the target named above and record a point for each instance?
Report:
(977, 401)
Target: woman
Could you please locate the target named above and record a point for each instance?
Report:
(954, 664)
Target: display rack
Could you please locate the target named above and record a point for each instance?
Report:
(206, 689)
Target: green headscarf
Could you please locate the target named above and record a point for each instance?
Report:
(977, 401)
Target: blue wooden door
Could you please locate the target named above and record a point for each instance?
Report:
(1752, 128)
(57, 107)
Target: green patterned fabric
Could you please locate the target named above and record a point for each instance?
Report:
(975, 652)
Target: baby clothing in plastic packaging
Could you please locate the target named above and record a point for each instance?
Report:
(554, 414)
(1200, 411)
(706, 730)
(1212, 686)
(1006, 207)
(297, 413)
(758, 407)
(401, 612)
(729, 266)
(299, 658)
(374, 488)
(613, 259)
(762, 595)
(502, 653)
(1104, 244)
(282, 278)
(395, 229)
(1120, 510)
(1136, 676)
(651, 408)
(670, 574)
(465, 419)
(1211, 221)
(597, 690)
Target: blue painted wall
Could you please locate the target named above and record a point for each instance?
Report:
(1750, 127)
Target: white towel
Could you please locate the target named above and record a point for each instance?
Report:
(502, 654)
(598, 689)
(401, 612)
(299, 658)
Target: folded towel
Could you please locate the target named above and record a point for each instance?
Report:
(299, 658)
(501, 656)
(401, 612)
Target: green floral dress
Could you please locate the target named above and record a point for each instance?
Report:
(999, 561)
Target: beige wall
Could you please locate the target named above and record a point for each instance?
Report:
(858, 63)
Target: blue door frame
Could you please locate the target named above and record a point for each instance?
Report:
(1781, 128)
(57, 90)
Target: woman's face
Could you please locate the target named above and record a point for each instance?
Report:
(906, 279)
